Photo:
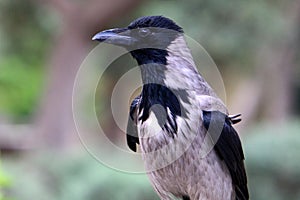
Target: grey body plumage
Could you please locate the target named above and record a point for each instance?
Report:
(175, 113)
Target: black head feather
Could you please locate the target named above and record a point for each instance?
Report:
(147, 38)
(155, 22)
(153, 48)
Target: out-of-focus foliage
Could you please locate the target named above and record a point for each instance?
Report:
(19, 86)
(48, 177)
(25, 30)
(4, 183)
(272, 160)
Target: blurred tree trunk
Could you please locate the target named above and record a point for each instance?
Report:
(276, 66)
(270, 95)
(80, 20)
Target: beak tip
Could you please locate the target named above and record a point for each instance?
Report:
(95, 37)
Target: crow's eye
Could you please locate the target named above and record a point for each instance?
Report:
(144, 32)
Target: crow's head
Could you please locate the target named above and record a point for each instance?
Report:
(147, 38)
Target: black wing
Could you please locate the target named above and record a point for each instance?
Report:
(131, 132)
(229, 148)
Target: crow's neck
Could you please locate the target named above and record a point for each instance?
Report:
(145, 56)
(182, 73)
(173, 66)
(170, 78)
(156, 92)
(179, 49)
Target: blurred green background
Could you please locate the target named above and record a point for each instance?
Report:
(255, 45)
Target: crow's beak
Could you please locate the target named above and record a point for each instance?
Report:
(117, 36)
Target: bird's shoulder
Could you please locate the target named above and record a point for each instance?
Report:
(210, 102)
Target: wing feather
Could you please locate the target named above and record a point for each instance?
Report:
(131, 132)
(229, 148)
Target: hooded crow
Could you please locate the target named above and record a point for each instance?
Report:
(188, 144)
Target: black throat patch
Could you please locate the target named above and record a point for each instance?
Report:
(150, 55)
(165, 104)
